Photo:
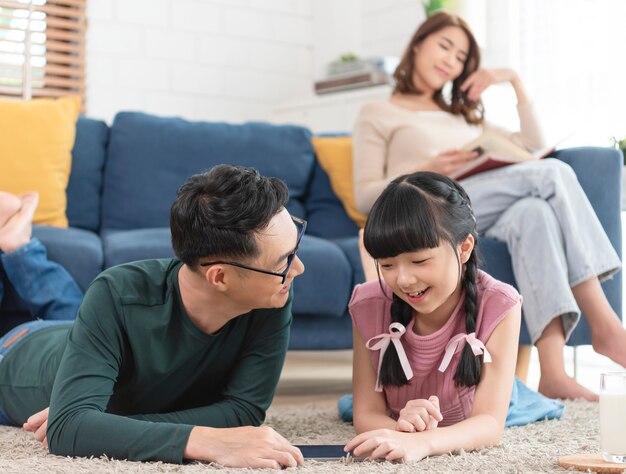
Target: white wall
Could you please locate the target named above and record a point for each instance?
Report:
(230, 60)
(364, 27)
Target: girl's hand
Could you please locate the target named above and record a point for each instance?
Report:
(481, 79)
(450, 161)
(419, 415)
(389, 445)
(37, 425)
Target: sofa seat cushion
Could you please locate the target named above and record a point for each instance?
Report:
(122, 246)
(326, 284)
(350, 247)
(320, 333)
(150, 157)
(78, 250)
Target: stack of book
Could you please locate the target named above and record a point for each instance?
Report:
(356, 74)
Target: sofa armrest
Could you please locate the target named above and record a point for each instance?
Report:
(599, 171)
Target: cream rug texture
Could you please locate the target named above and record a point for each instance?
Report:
(532, 448)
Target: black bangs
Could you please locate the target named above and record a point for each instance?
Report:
(401, 220)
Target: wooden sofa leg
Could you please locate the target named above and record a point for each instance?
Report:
(523, 359)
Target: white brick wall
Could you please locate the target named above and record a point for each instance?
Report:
(231, 60)
(388, 26)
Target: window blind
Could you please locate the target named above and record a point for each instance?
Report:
(42, 48)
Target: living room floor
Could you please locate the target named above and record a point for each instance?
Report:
(321, 377)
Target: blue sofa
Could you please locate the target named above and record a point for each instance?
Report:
(125, 177)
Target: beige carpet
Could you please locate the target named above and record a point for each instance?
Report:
(533, 448)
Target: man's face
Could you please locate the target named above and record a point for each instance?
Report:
(276, 243)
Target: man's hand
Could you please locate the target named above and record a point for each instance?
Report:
(37, 424)
(246, 446)
(419, 415)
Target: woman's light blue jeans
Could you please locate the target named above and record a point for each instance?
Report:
(553, 234)
(47, 288)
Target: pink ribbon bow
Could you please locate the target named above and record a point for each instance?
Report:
(455, 345)
(396, 330)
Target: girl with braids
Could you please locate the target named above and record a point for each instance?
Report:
(558, 248)
(435, 339)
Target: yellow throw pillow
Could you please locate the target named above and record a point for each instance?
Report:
(335, 157)
(36, 141)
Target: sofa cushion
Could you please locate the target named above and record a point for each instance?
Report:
(121, 246)
(78, 250)
(320, 333)
(334, 155)
(36, 139)
(150, 157)
(350, 247)
(326, 216)
(85, 185)
(326, 284)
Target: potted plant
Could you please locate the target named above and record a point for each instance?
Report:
(620, 144)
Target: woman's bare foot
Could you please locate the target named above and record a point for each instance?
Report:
(611, 341)
(9, 205)
(17, 232)
(565, 387)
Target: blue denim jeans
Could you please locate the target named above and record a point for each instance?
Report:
(553, 234)
(47, 288)
(14, 338)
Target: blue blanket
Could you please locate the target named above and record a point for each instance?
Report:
(526, 406)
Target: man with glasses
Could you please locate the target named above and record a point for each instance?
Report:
(173, 359)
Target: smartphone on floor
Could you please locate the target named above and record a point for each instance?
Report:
(326, 452)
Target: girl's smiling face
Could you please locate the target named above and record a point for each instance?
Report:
(429, 280)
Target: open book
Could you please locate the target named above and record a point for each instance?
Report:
(495, 151)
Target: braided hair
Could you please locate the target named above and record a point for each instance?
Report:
(419, 211)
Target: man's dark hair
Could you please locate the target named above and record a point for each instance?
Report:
(217, 213)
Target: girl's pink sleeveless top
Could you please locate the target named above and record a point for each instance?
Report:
(370, 310)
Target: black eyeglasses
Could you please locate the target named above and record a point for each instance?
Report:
(301, 225)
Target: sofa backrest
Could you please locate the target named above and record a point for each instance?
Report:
(326, 215)
(150, 157)
(84, 189)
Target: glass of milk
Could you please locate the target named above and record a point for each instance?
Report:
(613, 416)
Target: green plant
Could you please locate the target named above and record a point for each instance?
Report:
(433, 6)
(346, 57)
(620, 144)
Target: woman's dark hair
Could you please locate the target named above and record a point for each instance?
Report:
(420, 211)
(217, 213)
(457, 103)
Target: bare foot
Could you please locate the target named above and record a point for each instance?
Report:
(611, 341)
(9, 205)
(565, 387)
(17, 232)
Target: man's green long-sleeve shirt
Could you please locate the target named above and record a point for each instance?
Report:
(134, 374)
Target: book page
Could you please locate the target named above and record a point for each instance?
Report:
(497, 146)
